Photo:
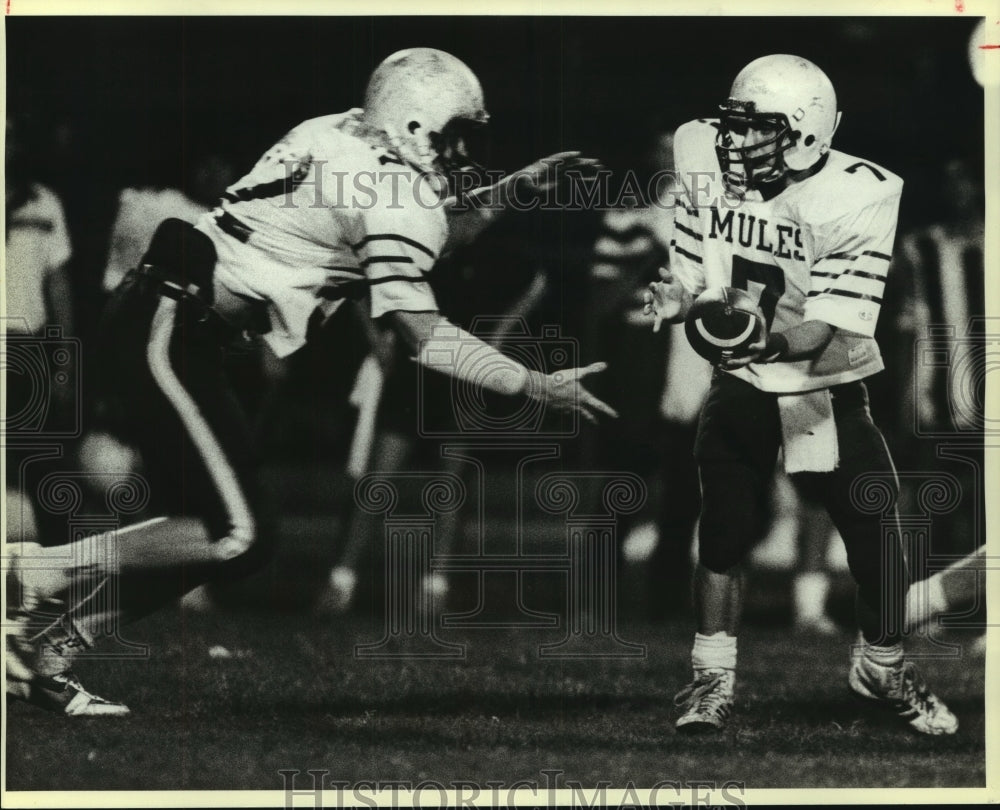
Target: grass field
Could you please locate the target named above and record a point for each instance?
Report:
(293, 696)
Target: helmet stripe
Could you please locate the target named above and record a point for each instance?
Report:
(725, 343)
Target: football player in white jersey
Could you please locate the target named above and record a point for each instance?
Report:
(345, 206)
(770, 208)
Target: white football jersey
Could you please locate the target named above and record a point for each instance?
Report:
(818, 250)
(329, 212)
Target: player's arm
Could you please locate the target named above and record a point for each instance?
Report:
(847, 284)
(441, 345)
(801, 342)
(470, 212)
(397, 254)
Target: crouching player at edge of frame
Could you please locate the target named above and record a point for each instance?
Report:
(265, 261)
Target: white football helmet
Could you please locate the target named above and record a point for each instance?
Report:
(426, 101)
(791, 106)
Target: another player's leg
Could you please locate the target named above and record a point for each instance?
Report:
(435, 586)
(811, 583)
(390, 452)
(736, 450)
(29, 671)
(950, 589)
(879, 673)
(151, 545)
(196, 444)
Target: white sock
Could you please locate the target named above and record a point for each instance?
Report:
(924, 600)
(809, 593)
(152, 544)
(891, 656)
(717, 651)
(51, 570)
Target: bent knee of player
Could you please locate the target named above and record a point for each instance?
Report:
(246, 549)
(719, 553)
(240, 540)
(724, 540)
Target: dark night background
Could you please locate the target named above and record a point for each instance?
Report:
(122, 101)
(107, 103)
(116, 101)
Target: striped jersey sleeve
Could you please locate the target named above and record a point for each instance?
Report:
(686, 251)
(401, 240)
(694, 151)
(847, 279)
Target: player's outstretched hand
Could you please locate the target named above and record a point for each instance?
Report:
(664, 300)
(563, 390)
(545, 174)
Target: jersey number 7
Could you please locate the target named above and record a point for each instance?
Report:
(768, 276)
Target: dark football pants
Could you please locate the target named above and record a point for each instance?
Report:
(739, 435)
(164, 389)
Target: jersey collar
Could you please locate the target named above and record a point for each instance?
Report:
(768, 191)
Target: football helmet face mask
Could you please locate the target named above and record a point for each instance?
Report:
(428, 103)
(779, 118)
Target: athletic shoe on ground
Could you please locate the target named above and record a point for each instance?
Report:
(64, 694)
(902, 691)
(60, 692)
(706, 702)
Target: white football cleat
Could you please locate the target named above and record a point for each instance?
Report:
(59, 691)
(64, 694)
(707, 701)
(902, 690)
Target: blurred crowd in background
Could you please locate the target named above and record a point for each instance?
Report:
(134, 121)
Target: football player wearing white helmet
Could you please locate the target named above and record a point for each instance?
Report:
(780, 117)
(425, 101)
(344, 206)
(809, 232)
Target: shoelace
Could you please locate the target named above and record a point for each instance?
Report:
(62, 634)
(702, 690)
(914, 691)
(68, 680)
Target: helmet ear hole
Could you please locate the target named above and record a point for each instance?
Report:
(413, 126)
(810, 140)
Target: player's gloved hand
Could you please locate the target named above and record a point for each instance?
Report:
(563, 391)
(542, 176)
(665, 299)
